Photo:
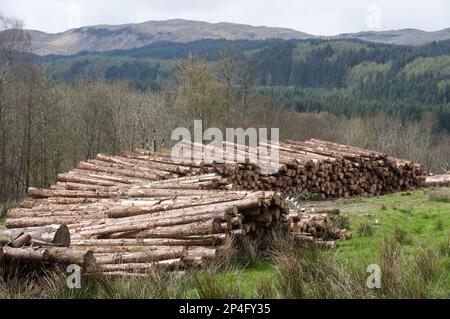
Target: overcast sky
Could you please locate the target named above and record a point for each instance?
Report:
(319, 17)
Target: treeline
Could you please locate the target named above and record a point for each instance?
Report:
(340, 76)
(356, 78)
(172, 50)
(349, 103)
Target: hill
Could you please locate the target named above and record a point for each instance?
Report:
(401, 37)
(101, 38)
(127, 36)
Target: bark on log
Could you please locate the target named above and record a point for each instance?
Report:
(57, 235)
(25, 254)
(70, 256)
(121, 212)
(20, 241)
(141, 257)
(211, 240)
(171, 264)
(180, 231)
(139, 225)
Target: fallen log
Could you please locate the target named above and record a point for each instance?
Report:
(57, 235)
(37, 222)
(438, 180)
(166, 222)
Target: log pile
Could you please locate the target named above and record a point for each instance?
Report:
(438, 180)
(131, 227)
(143, 209)
(328, 169)
(318, 227)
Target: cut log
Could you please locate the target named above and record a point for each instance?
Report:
(141, 257)
(57, 235)
(171, 264)
(180, 231)
(70, 256)
(21, 241)
(211, 240)
(25, 254)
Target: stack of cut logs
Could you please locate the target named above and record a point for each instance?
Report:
(317, 227)
(317, 167)
(142, 209)
(130, 221)
(438, 180)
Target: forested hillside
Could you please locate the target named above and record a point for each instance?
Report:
(338, 76)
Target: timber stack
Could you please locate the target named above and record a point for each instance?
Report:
(143, 209)
(327, 169)
(317, 227)
(131, 224)
(438, 180)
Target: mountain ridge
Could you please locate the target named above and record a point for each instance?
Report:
(106, 37)
(128, 36)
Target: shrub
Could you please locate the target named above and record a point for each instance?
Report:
(398, 277)
(341, 222)
(308, 272)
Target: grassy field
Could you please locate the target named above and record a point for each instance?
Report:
(406, 234)
(416, 224)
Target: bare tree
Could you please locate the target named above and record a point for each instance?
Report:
(246, 78)
(15, 54)
(227, 63)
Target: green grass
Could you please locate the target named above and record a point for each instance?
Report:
(414, 220)
(424, 221)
